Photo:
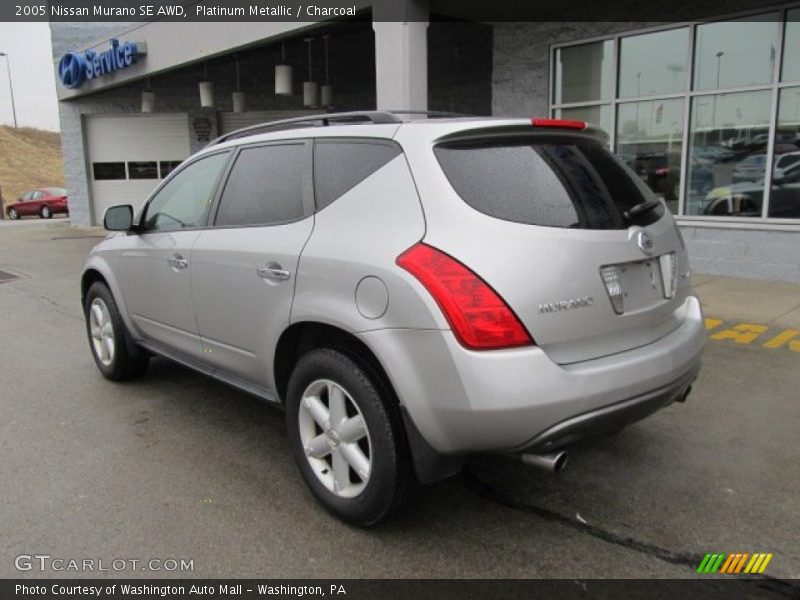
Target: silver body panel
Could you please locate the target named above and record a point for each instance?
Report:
(220, 316)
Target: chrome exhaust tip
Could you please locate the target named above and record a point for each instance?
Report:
(553, 462)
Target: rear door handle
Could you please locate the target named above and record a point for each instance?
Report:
(274, 272)
(178, 262)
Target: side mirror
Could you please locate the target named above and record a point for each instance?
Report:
(119, 218)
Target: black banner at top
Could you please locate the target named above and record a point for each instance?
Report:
(379, 10)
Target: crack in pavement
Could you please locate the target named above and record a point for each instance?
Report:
(489, 492)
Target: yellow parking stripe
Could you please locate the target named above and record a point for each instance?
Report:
(712, 323)
(782, 338)
(744, 333)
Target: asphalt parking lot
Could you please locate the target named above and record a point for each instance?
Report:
(178, 466)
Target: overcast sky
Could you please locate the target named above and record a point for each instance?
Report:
(28, 47)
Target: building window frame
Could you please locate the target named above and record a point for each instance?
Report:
(688, 95)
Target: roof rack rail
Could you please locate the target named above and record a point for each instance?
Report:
(376, 117)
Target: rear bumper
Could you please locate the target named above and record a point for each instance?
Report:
(465, 402)
(610, 419)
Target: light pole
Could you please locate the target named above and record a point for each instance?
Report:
(10, 87)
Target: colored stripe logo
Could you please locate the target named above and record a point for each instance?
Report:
(735, 563)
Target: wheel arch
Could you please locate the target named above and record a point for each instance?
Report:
(299, 338)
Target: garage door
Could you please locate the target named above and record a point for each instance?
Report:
(229, 122)
(130, 154)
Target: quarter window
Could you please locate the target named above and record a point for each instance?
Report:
(341, 165)
(265, 186)
(183, 202)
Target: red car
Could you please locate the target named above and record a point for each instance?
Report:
(44, 202)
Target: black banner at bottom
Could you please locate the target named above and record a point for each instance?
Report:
(387, 589)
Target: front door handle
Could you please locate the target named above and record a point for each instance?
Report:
(177, 262)
(274, 272)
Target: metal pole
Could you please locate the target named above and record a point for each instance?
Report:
(10, 87)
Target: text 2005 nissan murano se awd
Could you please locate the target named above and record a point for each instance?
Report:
(410, 291)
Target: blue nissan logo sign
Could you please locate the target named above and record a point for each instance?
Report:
(75, 68)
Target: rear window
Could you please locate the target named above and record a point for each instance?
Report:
(551, 181)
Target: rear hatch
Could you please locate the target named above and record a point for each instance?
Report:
(571, 239)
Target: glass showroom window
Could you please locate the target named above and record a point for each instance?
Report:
(650, 140)
(727, 146)
(784, 196)
(699, 98)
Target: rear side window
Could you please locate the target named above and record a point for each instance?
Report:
(552, 181)
(340, 165)
(265, 186)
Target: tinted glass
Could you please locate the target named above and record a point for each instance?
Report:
(265, 186)
(791, 48)
(599, 116)
(648, 139)
(585, 72)
(143, 170)
(37, 195)
(108, 170)
(552, 181)
(57, 191)
(784, 197)
(184, 201)
(728, 140)
(653, 64)
(341, 165)
(736, 53)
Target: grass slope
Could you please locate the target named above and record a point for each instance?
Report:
(29, 158)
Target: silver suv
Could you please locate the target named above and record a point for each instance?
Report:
(410, 290)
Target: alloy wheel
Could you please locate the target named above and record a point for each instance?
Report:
(335, 438)
(102, 331)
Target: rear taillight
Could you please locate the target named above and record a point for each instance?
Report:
(478, 316)
(559, 123)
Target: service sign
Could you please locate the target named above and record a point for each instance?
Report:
(75, 68)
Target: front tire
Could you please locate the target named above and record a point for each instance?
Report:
(347, 437)
(13, 214)
(117, 357)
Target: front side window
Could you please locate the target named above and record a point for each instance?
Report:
(184, 201)
(265, 186)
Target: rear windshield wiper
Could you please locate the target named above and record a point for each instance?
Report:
(641, 209)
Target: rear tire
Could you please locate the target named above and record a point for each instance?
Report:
(116, 355)
(45, 212)
(355, 459)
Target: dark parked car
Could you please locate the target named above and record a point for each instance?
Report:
(44, 202)
(746, 199)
